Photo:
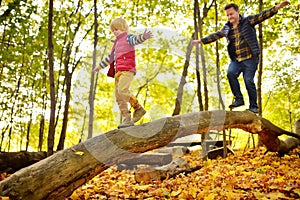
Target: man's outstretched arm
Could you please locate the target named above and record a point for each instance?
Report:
(266, 14)
(281, 5)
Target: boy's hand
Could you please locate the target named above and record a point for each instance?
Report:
(194, 42)
(147, 34)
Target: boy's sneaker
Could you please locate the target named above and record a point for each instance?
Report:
(138, 114)
(126, 123)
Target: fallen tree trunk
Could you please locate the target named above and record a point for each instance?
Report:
(11, 162)
(291, 142)
(148, 173)
(153, 173)
(57, 176)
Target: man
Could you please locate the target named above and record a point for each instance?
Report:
(243, 50)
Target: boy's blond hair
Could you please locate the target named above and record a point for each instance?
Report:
(119, 24)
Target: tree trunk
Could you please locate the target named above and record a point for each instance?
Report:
(92, 90)
(43, 110)
(57, 176)
(203, 62)
(183, 80)
(196, 25)
(51, 130)
(260, 65)
(68, 82)
(218, 74)
(11, 162)
(150, 173)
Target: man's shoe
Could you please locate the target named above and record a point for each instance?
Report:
(237, 103)
(254, 110)
(126, 123)
(138, 114)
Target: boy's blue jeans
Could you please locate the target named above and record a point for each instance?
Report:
(248, 67)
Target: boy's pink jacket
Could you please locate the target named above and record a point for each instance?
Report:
(122, 56)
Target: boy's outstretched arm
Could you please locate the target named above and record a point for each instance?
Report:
(139, 39)
(147, 34)
(104, 63)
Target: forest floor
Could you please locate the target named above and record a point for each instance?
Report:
(245, 175)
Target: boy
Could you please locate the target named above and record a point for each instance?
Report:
(123, 68)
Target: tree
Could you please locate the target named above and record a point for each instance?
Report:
(221, 102)
(57, 176)
(69, 71)
(260, 66)
(51, 130)
(92, 91)
(182, 80)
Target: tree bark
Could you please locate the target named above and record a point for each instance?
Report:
(51, 129)
(260, 65)
(11, 162)
(182, 82)
(57, 176)
(149, 173)
(93, 85)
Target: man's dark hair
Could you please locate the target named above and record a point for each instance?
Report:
(232, 5)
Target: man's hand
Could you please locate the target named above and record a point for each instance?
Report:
(96, 70)
(147, 34)
(281, 5)
(194, 42)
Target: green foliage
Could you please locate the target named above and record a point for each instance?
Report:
(24, 83)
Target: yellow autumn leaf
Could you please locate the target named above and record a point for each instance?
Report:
(247, 173)
(260, 195)
(193, 191)
(231, 172)
(87, 195)
(4, 198)
(211, 196)
(279, 179)
(207, 162)
(230, 195)
(175, 193)
(79, 153)
(142, 187)
(276, 195)
(184, 195)
(297, 191)
(74, 196)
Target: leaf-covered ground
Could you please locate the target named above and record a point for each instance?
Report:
(249, 175)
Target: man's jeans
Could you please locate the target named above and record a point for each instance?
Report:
(248, 67)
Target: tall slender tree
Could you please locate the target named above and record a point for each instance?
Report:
(69, 68)
(221, 102)
(260, 65)
(196, 27)
(182, 82)
(260, 68)
(92, 90)
(51, 131)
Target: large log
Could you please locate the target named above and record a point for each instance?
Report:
(149, 173)
(291, 142)
(11, 162)
(146, 159)
(57, 176)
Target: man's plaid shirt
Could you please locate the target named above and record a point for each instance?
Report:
(234, 36)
